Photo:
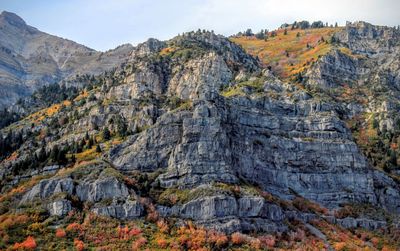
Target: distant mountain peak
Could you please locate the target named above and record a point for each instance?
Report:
(12, 19)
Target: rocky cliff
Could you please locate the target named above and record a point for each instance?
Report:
(195, 129)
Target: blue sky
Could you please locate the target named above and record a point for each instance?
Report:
(105, 24)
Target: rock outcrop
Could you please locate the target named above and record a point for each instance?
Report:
(126, 211)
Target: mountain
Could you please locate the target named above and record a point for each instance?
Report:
(203, 141)
(30, 59)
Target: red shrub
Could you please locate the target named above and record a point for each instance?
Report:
(29, 243)
(238, 238)
(135, 231)
(123, 232)
(219, 239)
(79, 245)
(60, 233)
(163, 226)
(161, 242)
(136, 245)
(74, 227)
(268, 240)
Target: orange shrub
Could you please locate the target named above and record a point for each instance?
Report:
(198, 238)
(339, 246)
(136, 245)
(161, 242)
(7, 221)
(74, 227)
(268, 241)
(219, 239)
(238, 238)
(375, 241)
(79, 245)
(135, 231)
(60, 233)
(255, 244)
(123, 232)
(386, 248)
(163, 226)
(29, 243)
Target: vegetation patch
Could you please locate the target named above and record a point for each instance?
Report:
(289, 51)
(252, 86)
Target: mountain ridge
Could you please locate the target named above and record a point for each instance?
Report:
(31, 58)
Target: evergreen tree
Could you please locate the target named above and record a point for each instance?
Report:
(393, 158)
(122, 129)
(260, 35)
(90, 143)
(73, 158)
(106, 134)
(83, 143)
(375, 123)
(61, 157)
(42, 154)
(54, 154)
(249, 33)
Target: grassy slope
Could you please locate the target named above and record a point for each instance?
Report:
(273, 52)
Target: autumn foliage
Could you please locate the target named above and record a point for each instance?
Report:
(140, 242)
(29, 243)
(74, 227)
(60, 233)
(289, 54)
(238, 238)
(79, 245)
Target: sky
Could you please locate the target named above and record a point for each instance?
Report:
(105, 24)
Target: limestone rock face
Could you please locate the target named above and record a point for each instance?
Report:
(149, 151)
(200, 76)
(230, 214)
(60, 208)
(47, 188)
(107, 188)
(370, 39)
(127, 211)
(334, 69)
(209, 208)
(101, 186)
(203, 153)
